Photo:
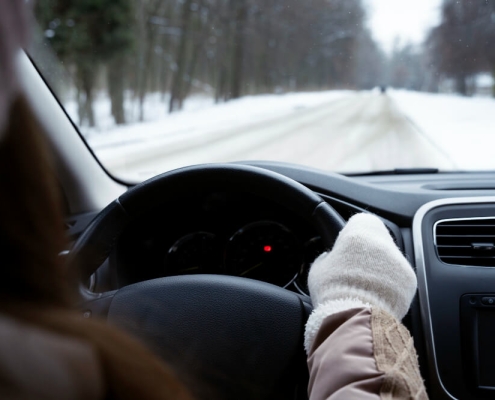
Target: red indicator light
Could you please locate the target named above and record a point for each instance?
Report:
(267, 249)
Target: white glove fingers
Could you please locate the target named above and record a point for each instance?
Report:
(365, 263)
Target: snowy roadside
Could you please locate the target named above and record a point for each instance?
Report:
(316, 128)
(200, 122)
(464, 128)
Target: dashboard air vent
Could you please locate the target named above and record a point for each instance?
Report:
(469, 241)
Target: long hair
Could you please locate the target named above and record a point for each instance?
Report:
(31, 222)
(35, 286)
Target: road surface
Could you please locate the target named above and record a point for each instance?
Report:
(362, 131)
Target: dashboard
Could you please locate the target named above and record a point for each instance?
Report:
(443, 223)
(226, 233)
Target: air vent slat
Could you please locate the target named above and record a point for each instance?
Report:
(468, 226)
(466, 236)
(468, 242)
(471, 230)
(468, 222)
(452, 247)
(478, 258)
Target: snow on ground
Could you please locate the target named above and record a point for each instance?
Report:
(462, 130)
(463, 127)
(155, 109)
(200, 119)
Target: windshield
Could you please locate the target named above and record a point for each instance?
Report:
(342, 85)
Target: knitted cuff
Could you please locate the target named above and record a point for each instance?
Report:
(325, 310)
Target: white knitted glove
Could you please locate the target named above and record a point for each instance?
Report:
(365, 268)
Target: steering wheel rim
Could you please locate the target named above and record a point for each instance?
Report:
(261, 309)
(96, 242)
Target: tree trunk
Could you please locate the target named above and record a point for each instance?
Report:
(147, 39)
(199, 40)
(460, 84)
(240, 14)
(86, 81)
(115, 77)
(221, 85)
(178, 78)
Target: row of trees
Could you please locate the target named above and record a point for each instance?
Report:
(459, 48)
(85, 35)
(228, 48)
(408, 67)
(463, 44)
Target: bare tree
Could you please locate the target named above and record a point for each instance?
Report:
(458, 47)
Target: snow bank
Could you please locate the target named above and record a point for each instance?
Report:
(200, 120)
(155, 108)
(462, 127)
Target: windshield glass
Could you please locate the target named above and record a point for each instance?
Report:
(342, 85)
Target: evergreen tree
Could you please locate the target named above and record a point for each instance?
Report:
(88, 34)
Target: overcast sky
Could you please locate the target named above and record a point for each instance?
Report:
(409, 20)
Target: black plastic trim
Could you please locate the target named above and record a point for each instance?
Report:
(440, 288)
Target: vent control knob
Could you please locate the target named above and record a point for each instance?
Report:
(483, 246)
(488, 301)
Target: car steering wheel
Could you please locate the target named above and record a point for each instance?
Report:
(228, 337)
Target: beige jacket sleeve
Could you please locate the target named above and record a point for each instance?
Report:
(364, 353)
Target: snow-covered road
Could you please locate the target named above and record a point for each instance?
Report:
(361, 132)
(355, 131)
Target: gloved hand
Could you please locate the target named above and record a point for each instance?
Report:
(364, 269)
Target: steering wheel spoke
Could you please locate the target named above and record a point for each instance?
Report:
(95, 304)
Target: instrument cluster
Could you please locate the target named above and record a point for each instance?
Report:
(207, 234)
(263, 250)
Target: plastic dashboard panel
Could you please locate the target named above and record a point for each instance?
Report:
(395, 197)
(441, 288)
(426, 199)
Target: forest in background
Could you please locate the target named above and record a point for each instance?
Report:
(231, 48)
